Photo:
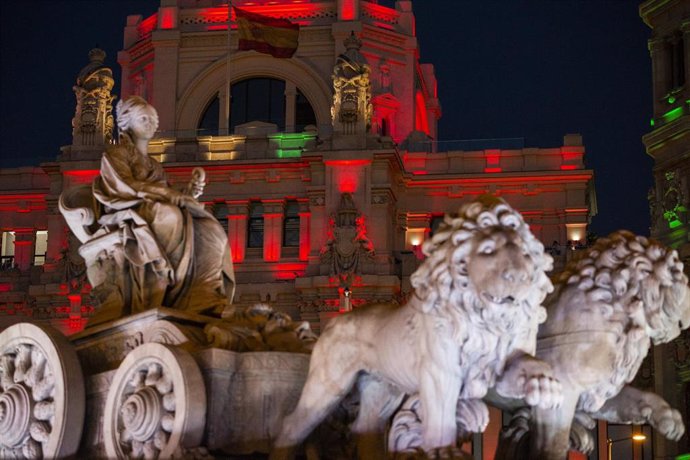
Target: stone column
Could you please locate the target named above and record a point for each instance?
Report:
(290, 96)
(381, 214)
(23, 247)
(223, 112)
(166, 51)
(273, 229)
(685, 29)
(123, 58)
(57, 237)
(304, 230)
(674, 42)
(237, 229)
(658, 50)
(659, 71)
(348, 10)
(318, 225)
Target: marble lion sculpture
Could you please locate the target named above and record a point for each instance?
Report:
(609, 305)
(470, 325)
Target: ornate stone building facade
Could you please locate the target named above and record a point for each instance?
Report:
(323, 167)
(668, 143)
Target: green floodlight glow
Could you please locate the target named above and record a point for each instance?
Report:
(651, 122)
(281, 153)
(683, 457)
(290, 145)
(671, 99)
(293, 136)
(674, 114)
(675, 224)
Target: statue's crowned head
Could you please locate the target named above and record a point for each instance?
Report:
(136, 117)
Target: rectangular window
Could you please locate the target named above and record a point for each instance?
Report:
(255, 225)
(291, 224)
(41, 247)
(7, 251)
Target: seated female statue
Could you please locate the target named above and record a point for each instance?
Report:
(174, 253)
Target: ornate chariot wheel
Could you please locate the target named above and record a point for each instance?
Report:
(156, 405)
(41, 393)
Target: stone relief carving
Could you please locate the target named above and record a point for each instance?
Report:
(654, 210)
(93, 119)
(260, 328)
(674, 203)
(156, 404)
(385, 81)
(470, 326)
(624, 293)
(146, 244)
(41, 394)
(351, 110)
(348, 245)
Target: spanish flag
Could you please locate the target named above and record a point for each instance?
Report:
(274, 36)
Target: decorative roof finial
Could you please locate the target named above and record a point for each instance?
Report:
(352, 42)
(97, 56)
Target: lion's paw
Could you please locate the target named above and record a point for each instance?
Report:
(668, 422)
(543, 391)
(581, 438)
(472, 417)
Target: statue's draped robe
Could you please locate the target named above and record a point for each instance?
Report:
(178, 257)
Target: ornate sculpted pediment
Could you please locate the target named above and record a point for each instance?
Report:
(351, 109)
(93, 119)
(348, 245)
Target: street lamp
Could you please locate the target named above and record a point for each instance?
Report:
(638, 437)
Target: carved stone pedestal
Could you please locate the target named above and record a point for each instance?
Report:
(155, 388)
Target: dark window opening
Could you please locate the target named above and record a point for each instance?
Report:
(678, 63)
(304, 113)
(208, 126)
(384, 127)
(255, 226)
(258, 99)
(435, 224)
(291, 224)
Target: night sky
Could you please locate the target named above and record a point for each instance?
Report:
(530, 69)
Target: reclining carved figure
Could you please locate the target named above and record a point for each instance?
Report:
(470, 325)
(609, 305)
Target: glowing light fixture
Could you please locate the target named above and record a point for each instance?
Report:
(671, 99)
(673, 115)
(637, 437)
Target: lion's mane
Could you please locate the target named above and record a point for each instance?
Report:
(641, 290)
(443, 285)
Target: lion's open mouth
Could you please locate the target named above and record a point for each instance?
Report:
(498, 300)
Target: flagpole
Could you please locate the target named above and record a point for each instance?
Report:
(228, 92)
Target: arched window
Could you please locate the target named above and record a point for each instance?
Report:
(208, 126)
(304, 113)
(258, 99)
